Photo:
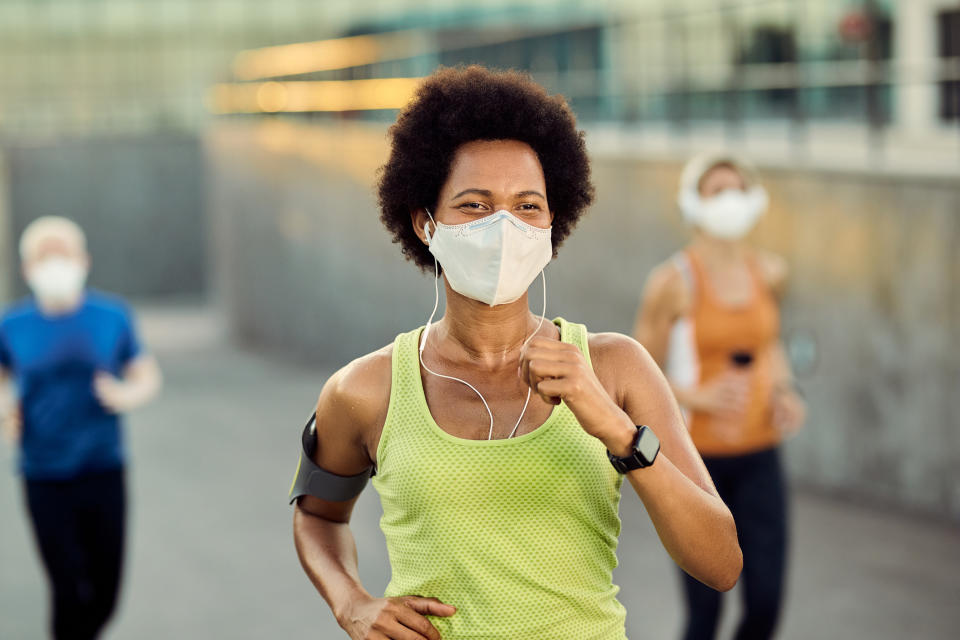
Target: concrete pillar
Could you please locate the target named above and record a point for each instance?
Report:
(915, 62)
(9, 258)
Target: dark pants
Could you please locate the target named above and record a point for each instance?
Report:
(754, 489)
(78, 526)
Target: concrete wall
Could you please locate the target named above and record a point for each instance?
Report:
(304, 265)
(7, 244)
(139, 199)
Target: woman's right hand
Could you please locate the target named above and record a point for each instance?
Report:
(400, 618)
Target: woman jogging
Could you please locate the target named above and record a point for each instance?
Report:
(710, 317)
(499, 439)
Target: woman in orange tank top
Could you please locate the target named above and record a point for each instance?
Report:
(710, 318)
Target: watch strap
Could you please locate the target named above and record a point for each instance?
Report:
(637, 459)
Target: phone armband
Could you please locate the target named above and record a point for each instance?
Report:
(311, 480)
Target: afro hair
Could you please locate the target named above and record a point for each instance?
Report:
(456, 105)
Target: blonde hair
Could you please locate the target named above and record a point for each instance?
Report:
(701, 164)
(47, 226)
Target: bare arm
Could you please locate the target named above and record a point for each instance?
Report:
(140, 383)
(693, 523)
(789, 407)
(10, 419)
(776, 273)
(321, 530)
(350, 415)
(663, 301)
(625, 388)
(327, 552)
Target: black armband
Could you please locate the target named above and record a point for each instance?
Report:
(311, 480)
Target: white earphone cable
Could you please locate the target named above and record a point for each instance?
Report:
(543, 313)
(426, 333)
(423, 344)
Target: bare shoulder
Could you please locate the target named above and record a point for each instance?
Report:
(611, 349)
(363, 375)
(666, 289)
(353, 402)
(774, 268)
(620, 361)
(665, 279)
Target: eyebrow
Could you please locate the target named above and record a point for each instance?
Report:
(487, 193)
(530, 192)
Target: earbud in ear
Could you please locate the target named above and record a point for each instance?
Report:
(426, 226)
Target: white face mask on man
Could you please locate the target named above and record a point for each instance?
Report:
(57, 280)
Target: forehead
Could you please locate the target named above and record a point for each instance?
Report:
(55, 241)
(722, 173)
(496, 163)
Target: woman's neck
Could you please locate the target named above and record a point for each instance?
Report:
(717, 251)
(488, 336)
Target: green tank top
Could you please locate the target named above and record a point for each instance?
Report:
(520, 535)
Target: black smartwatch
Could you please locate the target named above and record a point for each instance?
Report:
(646, 446)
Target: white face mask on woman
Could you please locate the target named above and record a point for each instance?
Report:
(493, 259)
(57, 280)
(729, 215)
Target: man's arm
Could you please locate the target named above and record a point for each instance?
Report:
(11, 422)
(350, 415)
(140, 383)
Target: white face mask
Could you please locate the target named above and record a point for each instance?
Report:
(729, 215)
(493, 259)
(57, 280)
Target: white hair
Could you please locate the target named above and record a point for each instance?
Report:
(47, 226)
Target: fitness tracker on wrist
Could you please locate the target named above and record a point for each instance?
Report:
(646, 446)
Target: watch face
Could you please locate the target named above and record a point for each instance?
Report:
(649, 445)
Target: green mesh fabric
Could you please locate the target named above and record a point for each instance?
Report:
(520, 535)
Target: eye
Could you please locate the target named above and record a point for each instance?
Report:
(530, 209)
(472, 206)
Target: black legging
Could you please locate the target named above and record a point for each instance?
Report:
(78, 526)
(754, 489)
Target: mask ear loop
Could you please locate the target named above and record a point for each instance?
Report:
(426, 332)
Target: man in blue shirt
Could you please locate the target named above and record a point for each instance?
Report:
(76, 363)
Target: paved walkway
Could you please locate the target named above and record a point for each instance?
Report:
(211, 554)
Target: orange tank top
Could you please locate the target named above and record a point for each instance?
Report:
(718, 336)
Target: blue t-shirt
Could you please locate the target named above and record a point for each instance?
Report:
(66, 432)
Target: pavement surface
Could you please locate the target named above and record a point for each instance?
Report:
(211, 556)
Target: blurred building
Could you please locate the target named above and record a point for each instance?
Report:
(255, 129)
(71, 66)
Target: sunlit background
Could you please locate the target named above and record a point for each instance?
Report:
(221, 155)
